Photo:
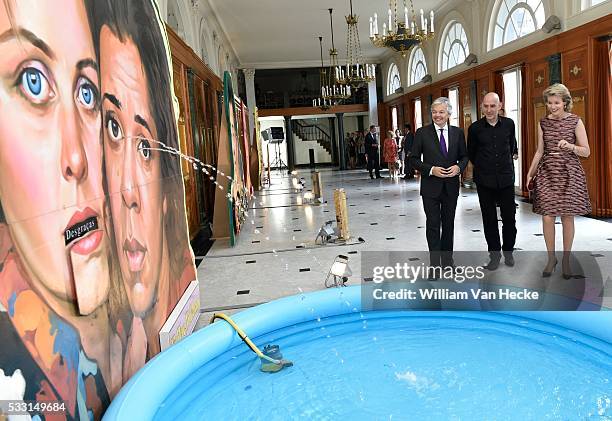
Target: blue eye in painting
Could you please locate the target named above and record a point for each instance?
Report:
(34, 85)
(87, 94)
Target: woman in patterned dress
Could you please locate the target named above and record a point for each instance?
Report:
(560, 186)
(390, 154)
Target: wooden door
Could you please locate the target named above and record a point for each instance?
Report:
(186, 147)
(205, 187)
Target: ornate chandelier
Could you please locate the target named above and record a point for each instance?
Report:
(321, 101)
(357, 71)
(334, 90)
(399, 35)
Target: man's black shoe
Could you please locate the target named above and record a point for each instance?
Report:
(509, 259)
(494, 259)
(432, 276)
(492, 265)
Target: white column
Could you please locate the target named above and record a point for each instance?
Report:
(249, 80)
(372, 103)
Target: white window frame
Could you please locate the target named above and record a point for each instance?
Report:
(586, 4)
(445, 55)
(524, 4)
(412, 65)
(392, 75)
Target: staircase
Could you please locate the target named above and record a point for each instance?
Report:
(311, 132)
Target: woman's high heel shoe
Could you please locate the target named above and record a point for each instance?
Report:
(566, 271)
(545, 273)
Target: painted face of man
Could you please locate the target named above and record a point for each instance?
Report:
(133, 170)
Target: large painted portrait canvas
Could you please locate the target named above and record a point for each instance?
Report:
(94, 249)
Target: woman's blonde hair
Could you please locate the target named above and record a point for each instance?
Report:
(391, 133)
(561, 91)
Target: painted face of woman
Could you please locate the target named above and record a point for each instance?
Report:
(133, 170)
(50, 150)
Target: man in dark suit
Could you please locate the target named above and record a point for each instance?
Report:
(372, 149)
(492, 147)
(408, 142)
(440, 155)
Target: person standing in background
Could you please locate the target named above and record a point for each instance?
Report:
(352, 150)
(390, 154)
(361, 158)
(372, 149)
(399, 142)
(408, 141)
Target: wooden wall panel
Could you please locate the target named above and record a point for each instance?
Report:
(467, 116)
(574, 68)
(407, 115)
(539, 77)
(574, 74)
(482, 88)
(384, 119)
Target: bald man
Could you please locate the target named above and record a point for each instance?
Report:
(492, 147)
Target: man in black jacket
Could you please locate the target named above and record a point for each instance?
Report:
(492, 147)
(408, 142)
(372, 149)
(444, 157)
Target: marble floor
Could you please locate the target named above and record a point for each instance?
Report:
(275, 254)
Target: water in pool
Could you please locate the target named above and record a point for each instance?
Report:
(408, 366)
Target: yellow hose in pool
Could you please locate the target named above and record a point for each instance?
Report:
(244, 337)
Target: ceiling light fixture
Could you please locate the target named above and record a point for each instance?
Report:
(334, 91)
(401, 36)
(321, 101)
(357, 71)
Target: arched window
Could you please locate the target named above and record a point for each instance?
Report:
(454, 47)
(393, 79)
(590, 3)
(517, 18)
(418, 67)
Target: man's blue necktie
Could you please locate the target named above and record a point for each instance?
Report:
(443, 144)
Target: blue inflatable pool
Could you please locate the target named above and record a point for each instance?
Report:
(381, 364)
